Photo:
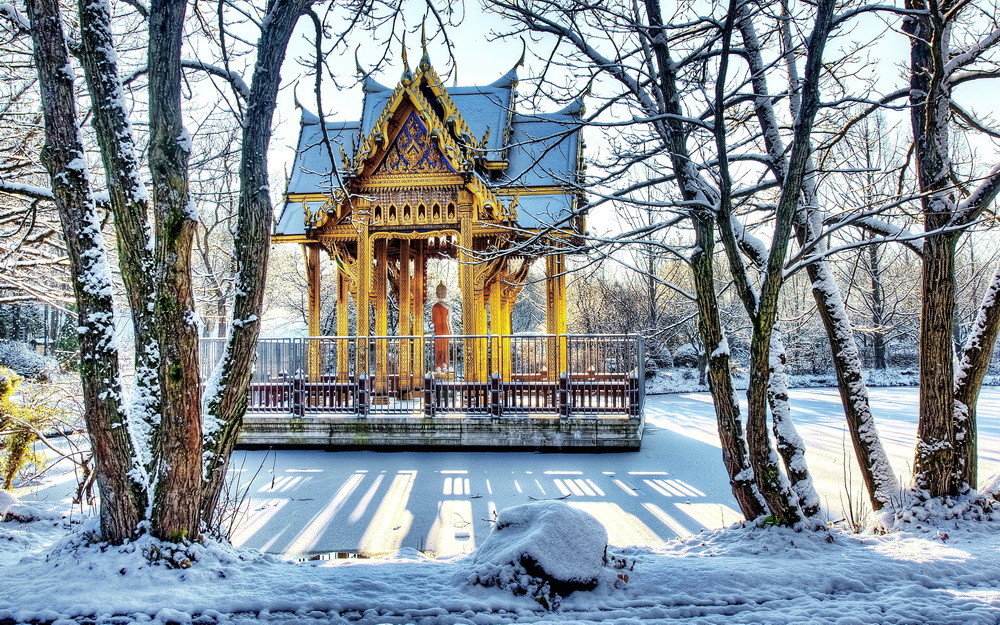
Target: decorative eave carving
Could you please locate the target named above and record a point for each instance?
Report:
(493, 208)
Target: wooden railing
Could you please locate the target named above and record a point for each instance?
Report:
(519, 375)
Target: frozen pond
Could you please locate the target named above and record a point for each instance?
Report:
(301, 502)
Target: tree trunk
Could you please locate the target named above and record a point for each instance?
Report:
(129, 204)
(932, 468)
(761, 454)
(771, 482)
(791, 447)
(929, 118)
(881, 361)
(176, 504)
(871, 456)
(720, 381)
(226, 399)
(968, 382)
(122, 492)
(876, 471)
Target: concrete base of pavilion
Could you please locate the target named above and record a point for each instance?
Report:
(522, 432)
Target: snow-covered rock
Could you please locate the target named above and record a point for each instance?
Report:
(11, 509)
(545, 549)
(7, 499)
(23, 513)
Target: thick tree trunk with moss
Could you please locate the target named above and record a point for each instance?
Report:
(929, 118)
(932, 469)
(129, 201)
(178, 480)
(227, 403)
(119, 476)
(945, 462)
(720, 381)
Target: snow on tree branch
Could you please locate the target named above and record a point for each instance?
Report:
(231, 77)
(14, 18)
(25, 190)
(973, 52)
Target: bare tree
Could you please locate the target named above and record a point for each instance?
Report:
(665, 69)
(32, 255)
(161, 452)
(949, 42)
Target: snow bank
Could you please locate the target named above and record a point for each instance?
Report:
(7, 499)
(11, 509)
(545, 549)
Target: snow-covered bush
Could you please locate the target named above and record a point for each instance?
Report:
(687, 356)
(25, 361)
(903, 357)
(660, 356)
(11, 509)
(19, 425)
(545, 550)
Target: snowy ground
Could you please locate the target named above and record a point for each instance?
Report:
(310, 502)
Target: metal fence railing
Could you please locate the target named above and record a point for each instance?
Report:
(517, 375)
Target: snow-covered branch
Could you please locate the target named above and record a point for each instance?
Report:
(231, 77)
(980, 198)
(973, 52)
(890, 232)
(17, 21)
(25, 190)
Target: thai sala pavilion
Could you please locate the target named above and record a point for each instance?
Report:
(452, 173)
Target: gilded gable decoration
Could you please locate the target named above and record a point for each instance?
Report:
(414, 152)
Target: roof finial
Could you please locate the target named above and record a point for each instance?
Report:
(407, 74)
(524, 51)
(357, 62)
(425, 59)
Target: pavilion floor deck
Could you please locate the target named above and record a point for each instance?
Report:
(387, 392)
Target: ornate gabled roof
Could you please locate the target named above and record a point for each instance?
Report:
(476, 130)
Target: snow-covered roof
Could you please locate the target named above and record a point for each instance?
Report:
(540, 150)
(543, 149)
(293, 218)
(311, 169)
(541, 211)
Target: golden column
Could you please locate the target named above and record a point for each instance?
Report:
(555, 312)
(343, 325)
(381, 304)
(418, 288)
(362, 298)
(313, 286)
(500, 324)
(473, 300)
(405, 318)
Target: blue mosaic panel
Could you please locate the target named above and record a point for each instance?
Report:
(414, 153)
